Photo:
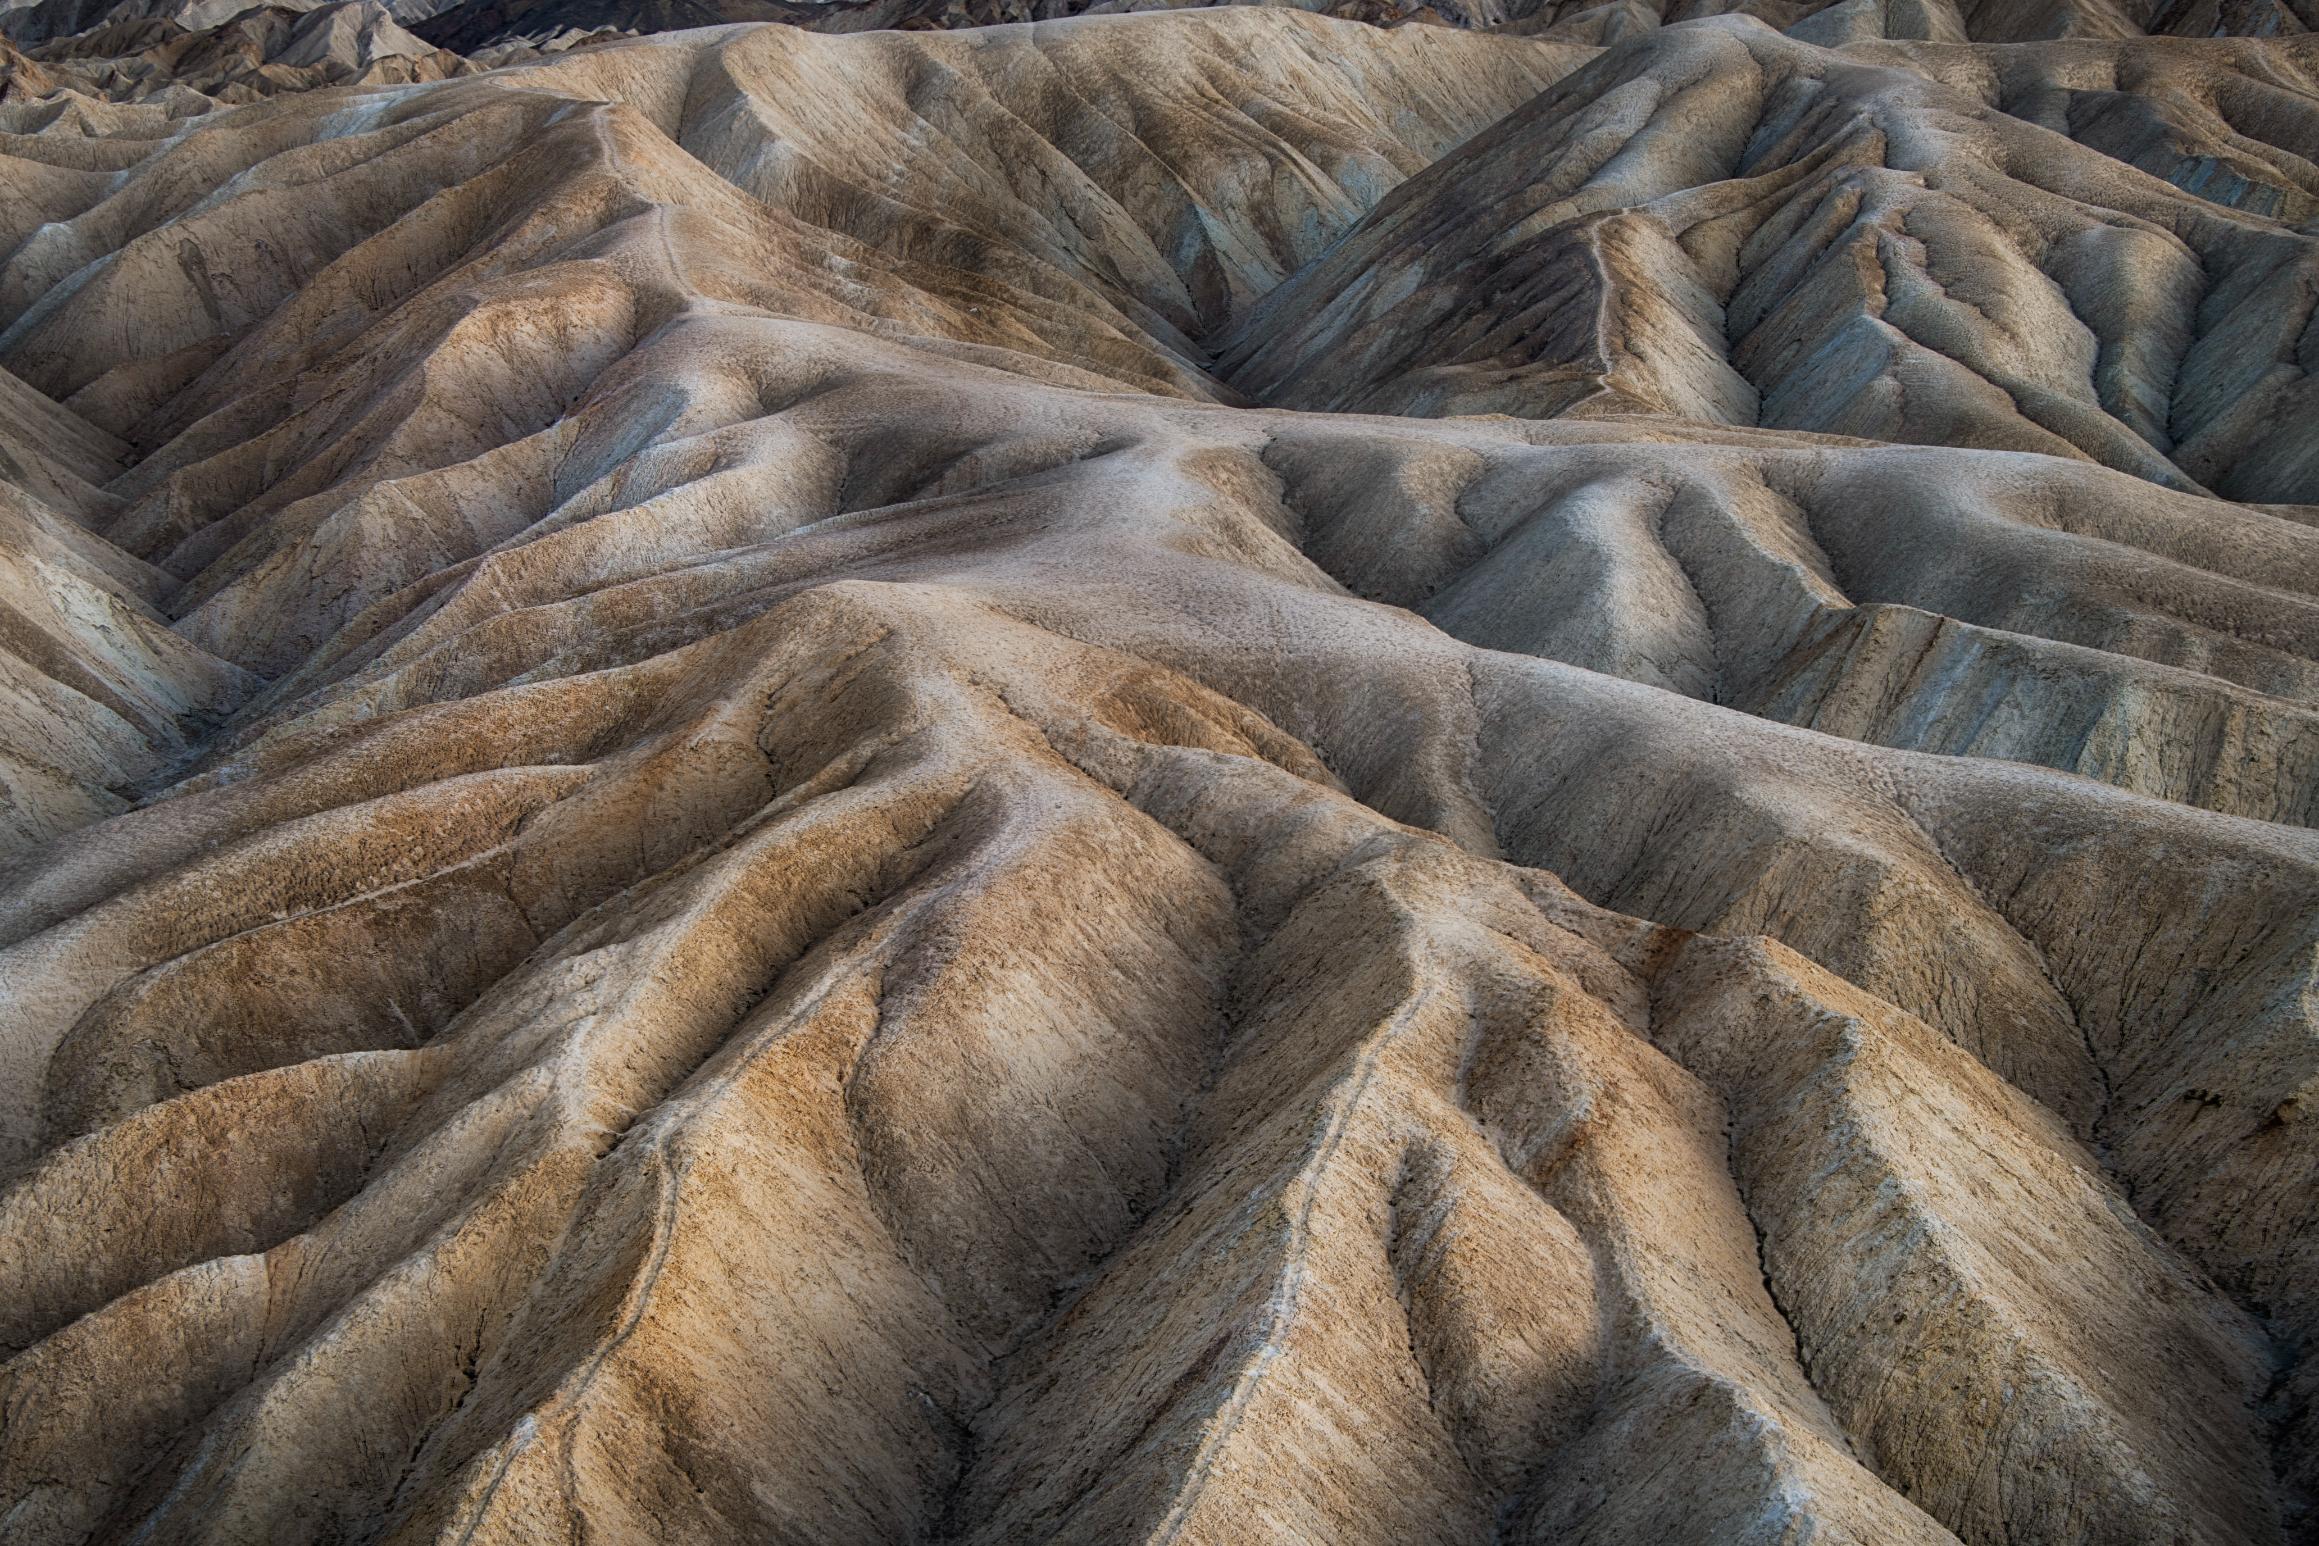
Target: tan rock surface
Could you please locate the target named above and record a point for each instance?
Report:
(727, 821)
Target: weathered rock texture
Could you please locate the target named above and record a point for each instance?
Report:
(725, 821)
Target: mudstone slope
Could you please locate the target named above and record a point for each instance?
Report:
(1196, 777)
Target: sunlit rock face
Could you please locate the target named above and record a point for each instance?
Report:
(1204, 777)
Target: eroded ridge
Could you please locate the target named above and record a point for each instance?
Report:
(717, 829)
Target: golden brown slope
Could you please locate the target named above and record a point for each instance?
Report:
(830, 923)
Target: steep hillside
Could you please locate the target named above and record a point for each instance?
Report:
(1196, 777)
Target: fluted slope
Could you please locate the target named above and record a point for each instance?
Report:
(777, 873)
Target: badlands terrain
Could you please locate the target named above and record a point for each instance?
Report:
(1213, 776)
